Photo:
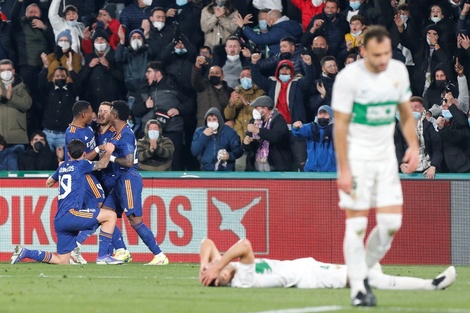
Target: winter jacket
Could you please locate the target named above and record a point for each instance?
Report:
(206, 148)
(9, 158)
(269, 65)
(132, 15)
(44, 160)
(159, 39)
(54, 63)
(216, 30)
(134, 64)
(188, 17)
(160, 159)
(7, 50)
(308, 10)
(315, 99)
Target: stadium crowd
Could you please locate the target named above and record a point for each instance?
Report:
(224, 85)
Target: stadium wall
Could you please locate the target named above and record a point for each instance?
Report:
(285, 215)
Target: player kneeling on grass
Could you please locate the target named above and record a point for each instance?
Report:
(70, 219)
(249, 272)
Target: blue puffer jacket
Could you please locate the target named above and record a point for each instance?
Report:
(320, 149)
(206, 148)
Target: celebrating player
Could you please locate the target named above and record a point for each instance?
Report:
(366, 96)
(217, 270)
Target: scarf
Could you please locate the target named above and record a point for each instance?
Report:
(263, 150)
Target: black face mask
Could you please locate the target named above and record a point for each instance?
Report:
(30, 20)
(440, 83)
(322, 121)
(60, 82)
(214, 80)
(330, 16)
(286, 55)
(38, 146)
(319, 52)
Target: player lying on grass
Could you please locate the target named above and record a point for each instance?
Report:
(248, 272)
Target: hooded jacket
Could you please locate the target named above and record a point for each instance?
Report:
(158, 160)
(320, 149)
(434, 93)
(206, 148)
(296, 88)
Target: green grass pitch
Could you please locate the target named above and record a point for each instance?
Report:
(38, 288)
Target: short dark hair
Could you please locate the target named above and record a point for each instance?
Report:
(403, 7)
(376, 32)
(289, 39)
(79, 107)
(36, 133)
(359, 18)
(233, 38)
(6, 61)
(76, 148)
(157, 9)
(326, 59)
(122, 109)
(334, 1)
(417, 98)
(61, 68)
(207, 48)
(157, 66)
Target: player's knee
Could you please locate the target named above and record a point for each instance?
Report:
(389, 223)
(245, 242)
(108, 215)
(356, 225)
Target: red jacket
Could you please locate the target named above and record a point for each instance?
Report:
(87, 45)
(308, 10)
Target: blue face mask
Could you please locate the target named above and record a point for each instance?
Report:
(263, 24)
(404, 18)
(181, 2)
(246, 83)
(284, 77)
(416, 115)
(355, 5)
(180, 51)
(447, 115)
(72, 23)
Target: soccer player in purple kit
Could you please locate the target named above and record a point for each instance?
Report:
(127, 193)
(71, 217)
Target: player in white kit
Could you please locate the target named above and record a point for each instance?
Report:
(366, 97)
(249, 272)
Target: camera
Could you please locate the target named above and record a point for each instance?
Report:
(447, 87)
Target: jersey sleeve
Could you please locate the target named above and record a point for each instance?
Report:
(343, 93)
(86, 166)
(55, 176)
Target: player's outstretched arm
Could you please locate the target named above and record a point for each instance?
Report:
(102, 163)
(411, 157)
(50, 182)
(208, 254)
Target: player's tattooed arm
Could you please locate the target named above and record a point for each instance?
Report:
(102, 163)
(127, 161)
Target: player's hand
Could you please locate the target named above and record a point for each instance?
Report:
(466, 8)
(430, 172)
(411, 157)
(110, 148)
(345, 182)
(59, 152)
(209, 275)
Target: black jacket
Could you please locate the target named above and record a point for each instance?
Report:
(44, 160)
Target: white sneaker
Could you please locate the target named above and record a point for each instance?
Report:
(76, 257)
(445, 279)
(159, 259)
(123, 255)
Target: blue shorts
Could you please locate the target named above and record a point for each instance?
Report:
(70, 224)
(94, 193)
(127, 195)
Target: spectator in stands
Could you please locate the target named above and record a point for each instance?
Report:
(441, 83)
(309, 9)
(446, 28)
(320, 93)
(61, 55)
(261, 28)
(133, 14)
(14, 102)
(370, 10)
(350, 59)
(206, 52)
(165, 103)
(430, 144)
(7, 50)
(267, 140)
(69, 21)
(280, 27)
(232, 61)
(354, 37)
(319, 134)
(239, 111)
(8, 156)
(216, 145)
(187, 13)
(59, 95)
(155, 152)
(211, 92)
(331, 25)
(38, 157)
(217, 22)
(319, 50)
(455, 135)
(102, 78)
(268, 4)
(158, 33)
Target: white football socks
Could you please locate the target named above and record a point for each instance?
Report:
(354, 253)
(382, 281)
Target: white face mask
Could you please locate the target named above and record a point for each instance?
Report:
(136, 44)
(429, 41)
(233, 58)
(154, 134)
(356, 34)
(213, 125)
(6, 75)
(65, 45)
(147, 2)
(158, 25)
(435, 19)
(256, 114)
(100, 47)
(317, 2)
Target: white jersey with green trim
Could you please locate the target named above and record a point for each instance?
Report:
(300, 273)
(371, 99)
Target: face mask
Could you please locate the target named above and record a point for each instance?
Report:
(323, 121)
(330, 15)
(180, 51)
(147, 2)
(136, 44)
(286, 55)
(284, 77)
(404, 18)
(331, 75)
(416, 115)
(246, 83)
(72, 23)
(60, 82)
(65, 45)
(100, 47)
(356, 34)
(38, 146)
(220, 3)
(158, 25)
(435, 19)
(319, 52)
(256, 114)
(6, 75)
(214, 80)
(130, 123)
(263, 24)
(213, 125)
(447, 115)
(355, 5)
(233, 58)
(154, 134)
(181, 2)
(440, 83)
